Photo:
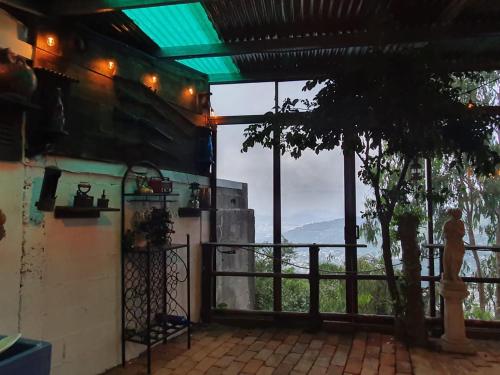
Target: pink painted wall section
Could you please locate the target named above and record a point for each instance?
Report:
(11, 198)
(61, 278)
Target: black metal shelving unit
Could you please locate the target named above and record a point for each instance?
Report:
(151, 277)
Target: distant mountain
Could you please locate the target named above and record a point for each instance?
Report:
(331, 231)
(327, 232)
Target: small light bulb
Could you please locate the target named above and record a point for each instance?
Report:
(212, 112)
(154, 78)
(470, 104)
(51, 41)
(111, 65)
(191, 91)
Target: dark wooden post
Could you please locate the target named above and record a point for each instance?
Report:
(430, 235)
(314, 288)
(207, 259)
(207, 282)
(213, 188)
(277, 305)
(350, 235)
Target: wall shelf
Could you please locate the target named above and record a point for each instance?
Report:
(189, 212)
(70, 212)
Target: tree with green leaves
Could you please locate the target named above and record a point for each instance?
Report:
(386, 108)
(478, 195)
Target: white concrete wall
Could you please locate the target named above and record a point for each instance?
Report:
(11, 198)
(60, 279)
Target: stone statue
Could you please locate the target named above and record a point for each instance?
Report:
(3, 219)
(452, 288)
(454, 250)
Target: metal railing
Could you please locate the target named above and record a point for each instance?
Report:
(351, 276)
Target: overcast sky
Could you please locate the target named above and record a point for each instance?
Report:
(312, 186)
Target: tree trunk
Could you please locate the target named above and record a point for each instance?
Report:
(477, 261)
(389, 268)
(497, 258)
(413, 326)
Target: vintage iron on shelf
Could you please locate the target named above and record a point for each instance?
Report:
(82, 199)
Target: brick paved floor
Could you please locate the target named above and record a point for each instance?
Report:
(224, 350)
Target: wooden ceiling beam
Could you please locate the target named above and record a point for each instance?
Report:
(297, 116)
(452, 11)
(256, 119)
(80, 7)
(312, 72)
(320, 42)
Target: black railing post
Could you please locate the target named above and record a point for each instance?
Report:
(350, 231)
(207, 282)
(430, 235)
(277, 282)
(314, 287)
(441, 299)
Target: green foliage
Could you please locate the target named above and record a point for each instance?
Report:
(373, 296)
(401, 101)
(390, 111)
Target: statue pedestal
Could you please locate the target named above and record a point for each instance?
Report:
(454, 339)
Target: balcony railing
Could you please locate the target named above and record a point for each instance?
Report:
(314, 276)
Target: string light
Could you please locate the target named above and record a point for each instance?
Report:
(191, 91)
(470, 104)
(154, 78)
(111, 65)
(51, 41)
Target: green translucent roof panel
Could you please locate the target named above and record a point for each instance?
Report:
(183, 25)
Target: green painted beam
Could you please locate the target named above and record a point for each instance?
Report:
(417, 37)
(79, 7)
(479, 64)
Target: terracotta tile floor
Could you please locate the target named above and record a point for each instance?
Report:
(226, 350)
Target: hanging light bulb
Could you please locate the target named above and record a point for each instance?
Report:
(111, 65)
(154, 78)
(470, 104)
(51, 41)
(191, 91)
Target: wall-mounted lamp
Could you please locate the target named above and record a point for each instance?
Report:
(51, 41)
(416, 170)
(47, 198)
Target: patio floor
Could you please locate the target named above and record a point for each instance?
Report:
(226, 350)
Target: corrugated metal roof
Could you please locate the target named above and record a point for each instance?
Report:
(182, 25)
(237, 21)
